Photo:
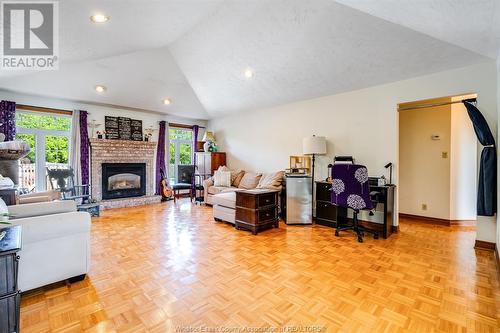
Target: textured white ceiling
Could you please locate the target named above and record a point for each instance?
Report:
(139, 80)
(301, 49)
(195, 51)
(472, 24)
(133, 25)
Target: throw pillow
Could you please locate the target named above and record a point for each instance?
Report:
(236, 177)
(222, 178)
(250, 180)
(272, 181)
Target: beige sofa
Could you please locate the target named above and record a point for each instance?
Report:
(223, 198)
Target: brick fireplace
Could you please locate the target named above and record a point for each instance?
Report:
(123, 161)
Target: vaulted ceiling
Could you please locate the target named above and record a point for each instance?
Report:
(195, 52)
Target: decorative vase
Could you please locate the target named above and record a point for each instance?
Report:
(206, 146)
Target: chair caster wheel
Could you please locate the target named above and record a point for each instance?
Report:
(360, 239)
(337, 233)
(375, 236)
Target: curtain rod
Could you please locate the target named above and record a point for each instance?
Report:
(42, 109)
(183, 125)
(69, 113)
(423, 106)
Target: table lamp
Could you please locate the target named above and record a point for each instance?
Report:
(208, 138)
(314, 145)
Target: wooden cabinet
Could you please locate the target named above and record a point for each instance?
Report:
(10, 297)
(207, 163)
(256, 210)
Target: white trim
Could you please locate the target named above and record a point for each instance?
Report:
(40, 134)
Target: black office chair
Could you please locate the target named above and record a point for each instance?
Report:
(350, 189)
(185, 181)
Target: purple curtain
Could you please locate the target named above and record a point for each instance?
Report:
(84, 147)
(8, 119)
(160, 155)
(196, 128)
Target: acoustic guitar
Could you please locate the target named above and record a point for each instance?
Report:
(165, 189)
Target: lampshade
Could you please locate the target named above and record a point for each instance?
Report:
(314, 145)
(208, 136)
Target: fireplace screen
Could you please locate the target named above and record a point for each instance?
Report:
(123, 180)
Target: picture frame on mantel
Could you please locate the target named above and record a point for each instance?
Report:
(123, 128)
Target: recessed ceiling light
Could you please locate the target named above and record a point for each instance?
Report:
(100, 89)
(167, 101)
(248, 73)
(99, 18)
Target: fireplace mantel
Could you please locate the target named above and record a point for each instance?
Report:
(122, 151)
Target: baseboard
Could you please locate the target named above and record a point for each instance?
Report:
(483, 245)
(497, 259)
(438, 221)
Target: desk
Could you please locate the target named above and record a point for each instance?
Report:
(329, 215)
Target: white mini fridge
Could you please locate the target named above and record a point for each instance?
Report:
(298, 199)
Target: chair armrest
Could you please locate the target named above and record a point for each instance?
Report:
(40, 228)
(41, 208)
(206, 184)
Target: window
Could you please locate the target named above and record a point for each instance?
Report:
(49, 137)
(181, 150)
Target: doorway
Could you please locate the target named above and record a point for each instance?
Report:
(437, 161)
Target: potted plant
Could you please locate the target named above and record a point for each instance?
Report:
(4, 218)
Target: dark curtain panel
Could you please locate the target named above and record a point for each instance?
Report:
(84, 148)
(487, 187)
(8, 119)
(196, 129)
(160, 155)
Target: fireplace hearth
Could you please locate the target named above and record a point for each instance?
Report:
(123, 180)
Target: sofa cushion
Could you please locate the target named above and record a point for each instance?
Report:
(271, 181)
(222, 178)
(236, 177)
(219, 189)
(225, 199)
(250, 180)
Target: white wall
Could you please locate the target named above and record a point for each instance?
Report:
(463, 165)
(421, 162)
(98, 112)
(362, 123)
(498, 159)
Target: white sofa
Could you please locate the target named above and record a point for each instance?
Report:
(55, 243)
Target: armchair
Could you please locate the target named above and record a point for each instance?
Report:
(63, 180)
(350, 189)
(185, 181)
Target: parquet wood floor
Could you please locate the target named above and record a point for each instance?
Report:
(156, 267)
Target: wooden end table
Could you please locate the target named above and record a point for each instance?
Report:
(10, 296)
(256, 210)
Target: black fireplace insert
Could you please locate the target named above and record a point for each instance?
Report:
(123, 180)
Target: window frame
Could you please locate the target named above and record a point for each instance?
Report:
(177, 142)
(40, 148)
